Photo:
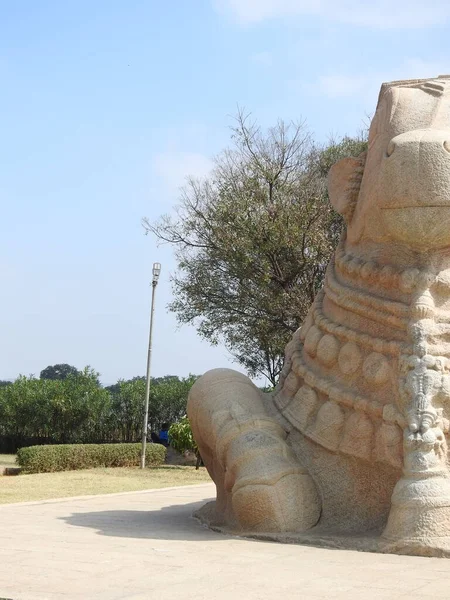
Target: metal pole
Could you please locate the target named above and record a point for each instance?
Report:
(147, 387)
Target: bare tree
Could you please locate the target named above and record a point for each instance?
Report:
(253, 239)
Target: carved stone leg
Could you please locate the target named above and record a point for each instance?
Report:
(260, 485)
(419, 521)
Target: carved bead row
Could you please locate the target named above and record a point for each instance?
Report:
(328, 350)
(393, 348)
(335, 391)
(406, 280)
(437, 363)
(300, 373)
(367, 305)
(332, 427)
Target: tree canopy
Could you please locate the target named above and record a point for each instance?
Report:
(253, 239)
(77, 409)
(61, 371)
(167, 403)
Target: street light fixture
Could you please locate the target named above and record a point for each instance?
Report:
(155, 272)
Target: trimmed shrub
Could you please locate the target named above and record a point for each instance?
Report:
(70, 457)
(180, 436)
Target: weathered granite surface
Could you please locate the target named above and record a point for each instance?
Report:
(352, 445)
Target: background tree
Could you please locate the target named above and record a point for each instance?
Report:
(252, 241)
(128, 407)
(61, 371)
(78, 409)
(168, 399)
(167, 403)
(71, 410)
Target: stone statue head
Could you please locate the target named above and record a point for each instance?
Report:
(399, 191)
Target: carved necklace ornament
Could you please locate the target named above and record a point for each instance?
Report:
(421, 377)
(386, 276)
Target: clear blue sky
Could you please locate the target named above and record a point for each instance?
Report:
(107, 106)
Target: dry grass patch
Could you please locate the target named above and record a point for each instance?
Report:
(44, 486)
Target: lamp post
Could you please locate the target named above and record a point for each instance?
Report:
(155, 272)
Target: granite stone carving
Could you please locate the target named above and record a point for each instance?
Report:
(353, 442)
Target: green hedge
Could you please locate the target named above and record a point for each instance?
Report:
(69, 457)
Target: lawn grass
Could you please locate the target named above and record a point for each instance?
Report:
(44, 486)
(8, 460)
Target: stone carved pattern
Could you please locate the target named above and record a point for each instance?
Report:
(299, 403)
(378, 309)
(329, 342)
(364, 340)
(406, 280)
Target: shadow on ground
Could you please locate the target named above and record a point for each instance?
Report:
(168, 523)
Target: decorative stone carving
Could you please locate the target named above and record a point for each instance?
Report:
(358, 436)
(354, 437)
(376, 369)
(388, 447)
(328, 350)
(349, 358)
(291, 385)
(327, 428)
(303, 410)
(312, 340)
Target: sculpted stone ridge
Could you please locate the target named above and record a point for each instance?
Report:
(354, 438)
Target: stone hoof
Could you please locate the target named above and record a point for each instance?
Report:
(290, 503)
(419, 521)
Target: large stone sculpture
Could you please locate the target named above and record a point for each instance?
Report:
(353, 440)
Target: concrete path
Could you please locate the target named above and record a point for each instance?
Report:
(144, 545)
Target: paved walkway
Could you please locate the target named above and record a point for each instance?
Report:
(144, 545)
